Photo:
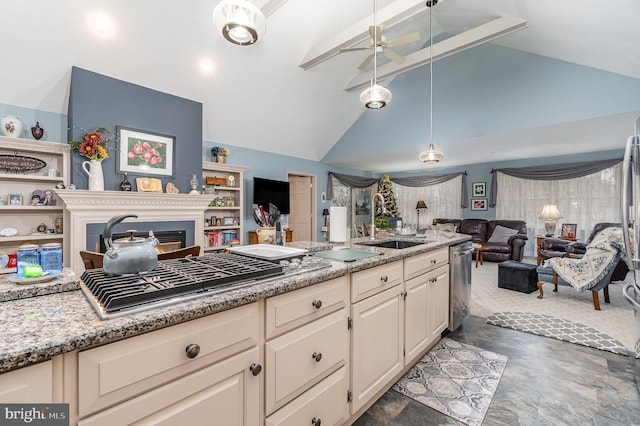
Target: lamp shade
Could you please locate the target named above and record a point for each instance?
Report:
(240, 21)
(550, 211)
(430, 156)
(421, 205)
(375, 97)
(325, 212)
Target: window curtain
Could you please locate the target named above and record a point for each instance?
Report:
(584, 200)
(550, 172)
(440, 197)
(349, 181)
(422, 181)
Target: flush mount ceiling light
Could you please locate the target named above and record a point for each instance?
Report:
(376, 96)
(431, 156)
(240, 21)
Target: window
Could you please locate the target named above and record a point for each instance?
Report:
(358, 203)
(584, 201)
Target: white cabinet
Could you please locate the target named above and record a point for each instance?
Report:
(224, 183)
(183, 374)
(17, 189)
(438, 302)
(377, 338)
(28, 384)
(306, 365)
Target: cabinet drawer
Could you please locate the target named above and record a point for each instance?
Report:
(290, 365)
(223, 393)
(29, 384)
(120, 370)
(291, 310)
(421, 263)
(326, 402)
(371, 281)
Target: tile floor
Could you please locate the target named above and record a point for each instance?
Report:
(546, 382)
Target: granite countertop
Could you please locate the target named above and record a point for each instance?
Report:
(48, 319)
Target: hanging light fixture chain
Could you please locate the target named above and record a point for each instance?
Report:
(375, 42)
(429, 4)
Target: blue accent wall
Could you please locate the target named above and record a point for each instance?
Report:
(100, 101)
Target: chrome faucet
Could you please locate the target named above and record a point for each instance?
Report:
(372, 228)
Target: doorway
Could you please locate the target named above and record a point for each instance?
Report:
(302, 220)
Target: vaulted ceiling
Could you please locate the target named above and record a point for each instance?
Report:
(286, 94)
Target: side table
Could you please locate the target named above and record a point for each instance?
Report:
(479, 250)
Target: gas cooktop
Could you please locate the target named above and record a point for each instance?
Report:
(183, 279)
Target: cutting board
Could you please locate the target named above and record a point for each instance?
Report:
(347, 254)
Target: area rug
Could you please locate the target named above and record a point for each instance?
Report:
(456, 379)
(557, 328)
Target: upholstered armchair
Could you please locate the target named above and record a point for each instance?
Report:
(554, 247)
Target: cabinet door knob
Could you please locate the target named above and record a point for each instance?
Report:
(316, 422)
(255, 369)
(317, 304)
(193, 350)
(433, 261)
(384, 278)
(317, 356)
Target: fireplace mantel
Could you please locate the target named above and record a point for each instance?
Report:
(82, 207)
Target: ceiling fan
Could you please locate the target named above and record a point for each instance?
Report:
(380, 43)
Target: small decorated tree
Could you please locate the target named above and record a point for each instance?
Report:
(385, 188)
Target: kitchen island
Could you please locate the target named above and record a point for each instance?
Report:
(61, 328)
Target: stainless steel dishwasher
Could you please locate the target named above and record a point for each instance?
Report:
(460, 283)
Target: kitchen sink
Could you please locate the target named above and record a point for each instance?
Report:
(394, 244)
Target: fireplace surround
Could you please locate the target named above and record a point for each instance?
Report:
(83, 208)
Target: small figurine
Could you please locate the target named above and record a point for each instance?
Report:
(37, 131)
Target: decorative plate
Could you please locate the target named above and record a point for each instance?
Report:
(20, 163)
(41, 279)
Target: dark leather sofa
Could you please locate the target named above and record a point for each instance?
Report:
(555, 247)
(481, 231)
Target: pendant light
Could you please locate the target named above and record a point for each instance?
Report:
(431, 156)
(240, 21)
(376, 96)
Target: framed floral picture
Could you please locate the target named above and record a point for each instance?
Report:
(145, 153)
(479, 189)
(479, 204)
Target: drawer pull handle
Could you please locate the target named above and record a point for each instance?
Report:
(317, 356)
(192, 350)
(317, 304)
(316, 422)
(255, 369)
(384, 278)
(434, 261)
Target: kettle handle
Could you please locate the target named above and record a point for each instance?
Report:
(107, 229)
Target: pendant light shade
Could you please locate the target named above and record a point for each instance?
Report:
(240, 21)
(375, 97)
(431, 156)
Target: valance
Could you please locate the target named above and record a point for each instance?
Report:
(418, 181)
(348, 180)
(550, 172)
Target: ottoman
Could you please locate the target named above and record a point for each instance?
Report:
(517, 276)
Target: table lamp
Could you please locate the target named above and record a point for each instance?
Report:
(550, 213)
(419, 206)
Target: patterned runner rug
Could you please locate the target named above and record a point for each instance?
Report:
(456, 379)
(557, 328)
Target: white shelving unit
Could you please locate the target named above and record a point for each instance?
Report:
(25, 217)
(223, 218)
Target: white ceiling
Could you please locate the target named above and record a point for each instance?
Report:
(259, 97)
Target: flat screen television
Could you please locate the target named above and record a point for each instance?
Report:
(267, 191)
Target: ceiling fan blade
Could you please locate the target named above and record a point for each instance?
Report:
(364, 63)
(409, 38)
(353, 49)
(398, 59)
(374, 32)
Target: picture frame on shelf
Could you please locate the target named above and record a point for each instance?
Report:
(141, 152)
(479, 189)
(478, 204)
(569, 230)
(228, 221)
(15, 199)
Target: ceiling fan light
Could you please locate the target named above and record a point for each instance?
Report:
(375, 97)
(239, 21)
(430, 156)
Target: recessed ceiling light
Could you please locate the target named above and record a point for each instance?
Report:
(102, 25)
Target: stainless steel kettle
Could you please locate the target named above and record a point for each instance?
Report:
(129, 255)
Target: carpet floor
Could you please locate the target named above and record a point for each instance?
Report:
(456, 379)
(567, 308)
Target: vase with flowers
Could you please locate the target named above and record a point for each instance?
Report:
(92, 145)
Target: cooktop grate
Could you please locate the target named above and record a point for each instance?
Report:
(171, 279)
